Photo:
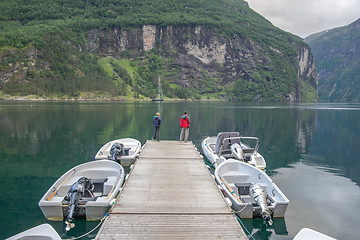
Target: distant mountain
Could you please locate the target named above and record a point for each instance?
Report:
(200, 49)
(337, 60)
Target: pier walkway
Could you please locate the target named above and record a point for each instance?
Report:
(170, 194)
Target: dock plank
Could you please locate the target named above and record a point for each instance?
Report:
(171, 227)
(170, 194)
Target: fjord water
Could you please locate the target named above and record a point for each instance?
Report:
(312, 153)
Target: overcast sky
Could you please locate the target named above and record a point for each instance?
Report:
(305, 17)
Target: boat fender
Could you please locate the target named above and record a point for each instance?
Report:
(126, 177)
(228, 201)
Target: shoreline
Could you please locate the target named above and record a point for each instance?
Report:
(91, 97)
(41, 99)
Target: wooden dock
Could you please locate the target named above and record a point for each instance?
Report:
(170, 194)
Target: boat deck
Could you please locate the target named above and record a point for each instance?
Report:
(170, 194)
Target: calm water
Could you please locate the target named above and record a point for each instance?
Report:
(312, 153)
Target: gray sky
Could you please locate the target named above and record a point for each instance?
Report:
(305, 17)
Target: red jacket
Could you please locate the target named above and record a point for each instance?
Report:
(184, 121)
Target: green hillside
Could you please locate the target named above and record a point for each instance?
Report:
(337, 55)
(44, 47)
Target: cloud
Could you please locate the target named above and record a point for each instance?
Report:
(305, 17)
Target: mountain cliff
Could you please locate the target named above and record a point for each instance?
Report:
(337, 55)
(200, 49)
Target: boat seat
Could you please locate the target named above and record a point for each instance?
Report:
(222, 145)
(126, 151)
(236, 178)
(243, 188)
(227, 154)
(108, 185)
(248, 150)
(248, 199)
(57, 199)
(99, 185)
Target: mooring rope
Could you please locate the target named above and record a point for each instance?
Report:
(101, 221)
(209, 164)
(242, 224)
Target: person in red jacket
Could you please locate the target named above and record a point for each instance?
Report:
(185, 127)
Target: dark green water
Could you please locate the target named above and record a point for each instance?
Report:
(312, 153)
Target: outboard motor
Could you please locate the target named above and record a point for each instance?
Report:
(259, 195)
(237, 151)
(116, 152)
(76, 191)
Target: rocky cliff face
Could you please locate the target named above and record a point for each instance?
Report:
(28, 60)
(194, 54)
(197, 52)
(204, 49)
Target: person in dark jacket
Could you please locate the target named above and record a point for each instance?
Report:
(157, 123)
(185, 127)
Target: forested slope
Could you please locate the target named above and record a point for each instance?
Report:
(118, 48)
(337, 54)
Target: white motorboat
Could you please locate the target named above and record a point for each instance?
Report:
(251, 191)
(124, 151)
(42, 232)
(85, 191)
(230, 145)
(307, 233)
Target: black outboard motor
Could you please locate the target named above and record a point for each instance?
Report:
(76, 191)
(116, 151)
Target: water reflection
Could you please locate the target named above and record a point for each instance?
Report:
(256, 229)
(39, 141)
(319, 200)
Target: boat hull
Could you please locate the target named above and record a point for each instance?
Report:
(235, 178)
(307, 233)
(131, 145)
(42, 232)
(108, 177)
(208, 146)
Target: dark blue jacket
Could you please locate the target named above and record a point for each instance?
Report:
(156, 121)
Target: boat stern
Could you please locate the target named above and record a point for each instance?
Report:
(53, 209)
